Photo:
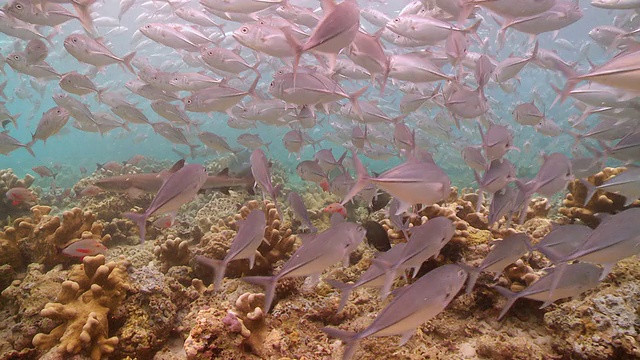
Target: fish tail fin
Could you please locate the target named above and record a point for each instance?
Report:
(192, 150)
(473, 29)
(252, 89)
(390, 271)
(141, 221)
(219, 267)
(99, 92)
(350, 339)
(255, 68)
(127, 61)
(591, 190)
(28, 146)
(345, 290)
(480, 192)
(473, 277)
(511, 299)
(534, 53)
(568, 87)
(355, 105)
(2, 86)
(269, 284)
(14, 119)
(297, 47)
(30, 143)
(341, 160)
(361, 181)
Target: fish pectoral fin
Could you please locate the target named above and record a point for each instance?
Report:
(406, 336)
(134, 193)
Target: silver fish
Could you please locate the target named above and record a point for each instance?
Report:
(244, 246)
(576, 279)
(262, 176)
(503, 253)
(413, 182)
(314, 256)
(178, 189)
(418, 303)
(626, 184)
(374, 276)
(300, 211)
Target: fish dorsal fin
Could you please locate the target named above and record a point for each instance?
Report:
(177, 166)
(224, 172)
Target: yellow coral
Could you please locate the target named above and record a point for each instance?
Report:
(574, 207)
(83, 306)
(41, 236)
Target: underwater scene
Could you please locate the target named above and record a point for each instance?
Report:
(319, 179)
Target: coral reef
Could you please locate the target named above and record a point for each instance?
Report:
(40, 237)
(94, 289)
(148, 315)
(235, 329)
(248, 319)
(574, 207)
(278, 241)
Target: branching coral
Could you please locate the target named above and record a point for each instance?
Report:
(248, 320)
(173, 252)
(278, 241)
(574, 207)
(41, 236)
(95, 288)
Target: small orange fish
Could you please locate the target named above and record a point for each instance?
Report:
(336, 208)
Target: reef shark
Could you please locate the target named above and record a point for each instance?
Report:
(136, 185)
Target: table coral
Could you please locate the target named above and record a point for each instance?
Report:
(574, 206)
(41, 237)
(95, 288)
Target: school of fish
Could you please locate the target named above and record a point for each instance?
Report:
(407, 98)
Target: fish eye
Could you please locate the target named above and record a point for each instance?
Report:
(273, 83)
(211, 53)
(19, 6)
(396, 20)
(189, 102)
(74, 40)
(244, 30)
(16, 57)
